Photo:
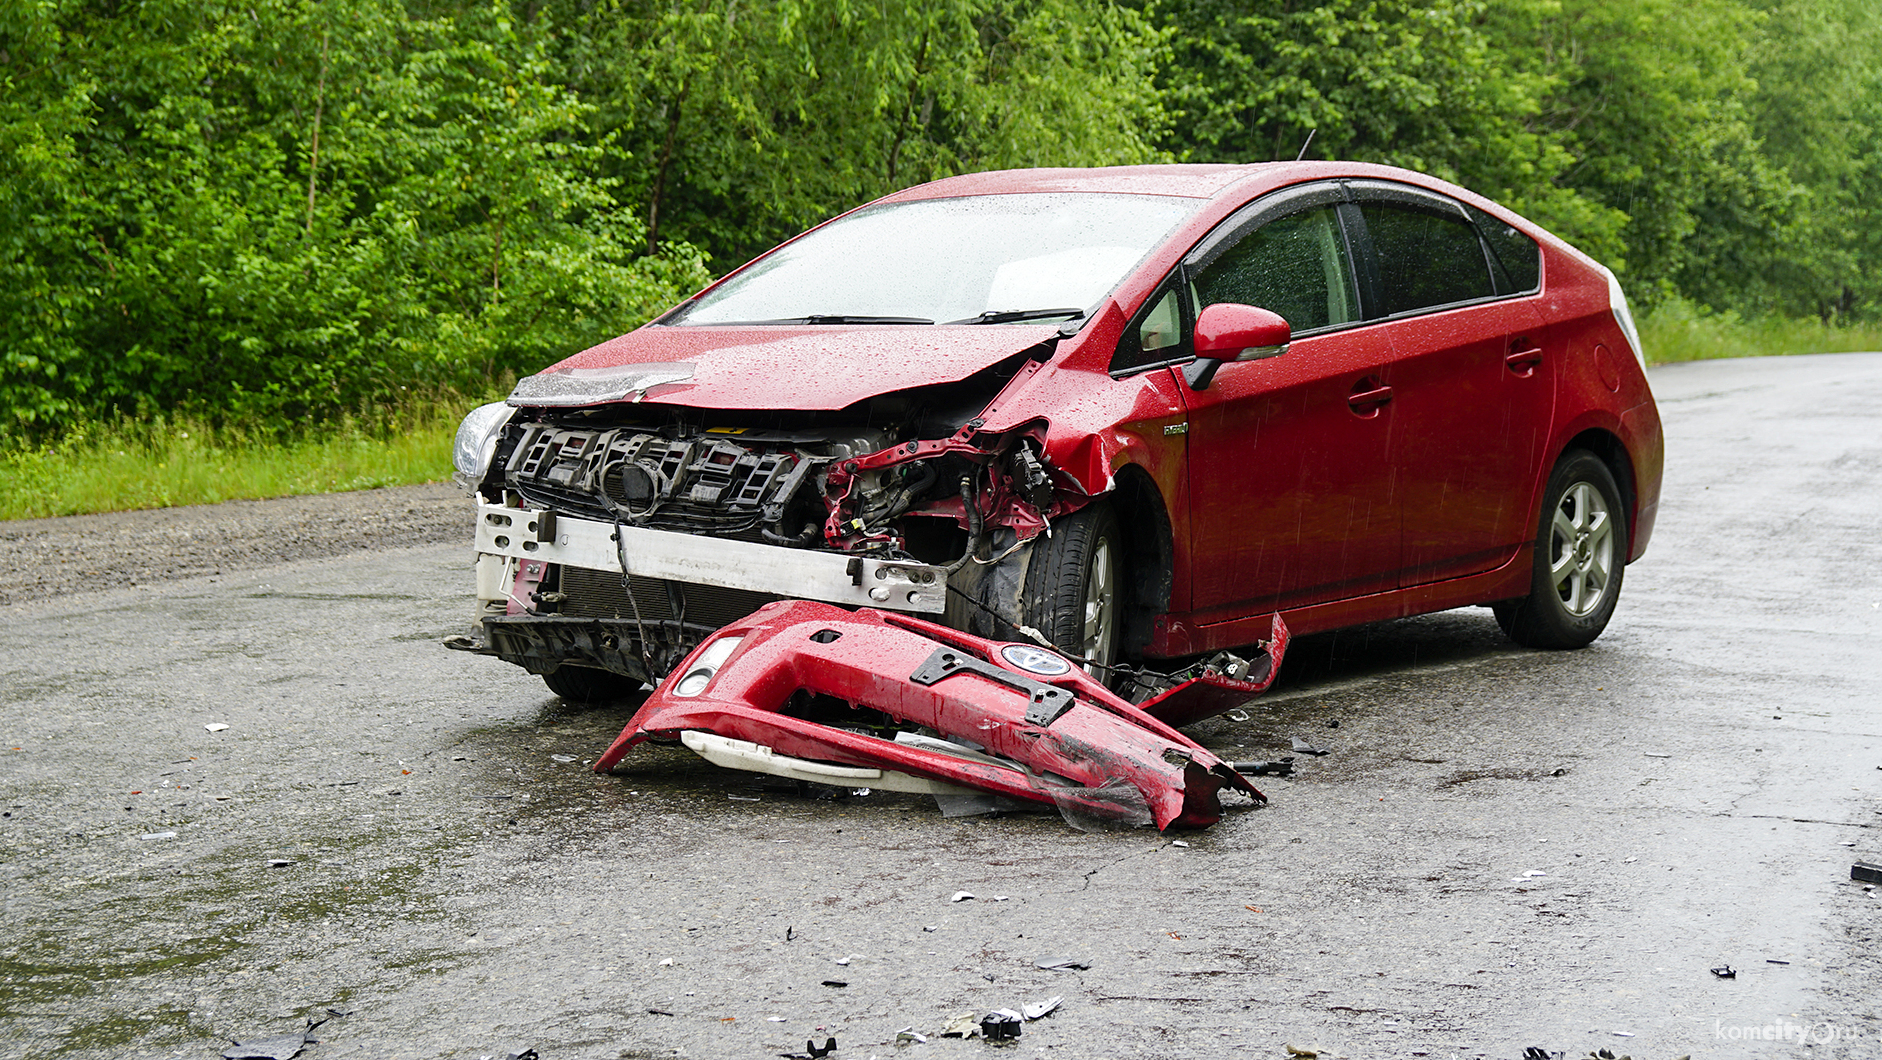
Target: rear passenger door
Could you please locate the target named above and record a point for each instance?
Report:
(1473, 388)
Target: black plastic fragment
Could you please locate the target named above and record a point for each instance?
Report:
(839, 983)
(812, 1050)
(1864, 872)
(1725, 971)
(1303, 747)
(1048, 702)
(1001, 1024)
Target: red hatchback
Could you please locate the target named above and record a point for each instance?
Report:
(1136, 413)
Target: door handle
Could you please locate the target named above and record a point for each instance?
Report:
(1523, 359)
(1368, 396)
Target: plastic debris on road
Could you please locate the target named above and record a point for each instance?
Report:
(1061, 963)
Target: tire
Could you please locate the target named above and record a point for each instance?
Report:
(1074, 587)
(587, 685)
(1581, 554)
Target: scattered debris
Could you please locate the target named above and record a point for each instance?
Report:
(562, 758)
(279, 863)
(215, 726)
(1655, 754)
(1059, 964)
(158, 835)
(1002, 897)
(1001, 1024)
(658, 1012)
(1179, 843)
(1041, 1009)
(1725, 971)
(1773, 960)
(1303, 747)
(283, 1047)
(839, 983)
(961, 1025)
(1537, 1052)
(666, 962)
(1295, 1050)
(961, 896)
(812, 1050)
(1281, 767)
(1865, 872)
(910, 1034)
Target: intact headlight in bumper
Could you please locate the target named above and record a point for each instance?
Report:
(477, 443)
(706, 664)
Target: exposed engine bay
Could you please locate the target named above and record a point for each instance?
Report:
(615, 537)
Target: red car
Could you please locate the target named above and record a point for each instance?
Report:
(1135, 412)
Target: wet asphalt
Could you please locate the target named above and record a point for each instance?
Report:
(1504, 848)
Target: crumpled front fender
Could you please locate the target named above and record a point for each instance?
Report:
(1049, 733)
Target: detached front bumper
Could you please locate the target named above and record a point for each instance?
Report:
(854, 581)
(1039, 728)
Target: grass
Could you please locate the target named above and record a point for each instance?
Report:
(1680, 331)
(124, 464)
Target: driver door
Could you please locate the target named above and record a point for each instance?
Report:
(1292, 496)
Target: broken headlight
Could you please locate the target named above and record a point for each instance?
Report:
(704, 665)
(477, 443)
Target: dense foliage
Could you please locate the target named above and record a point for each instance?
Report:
(281, 208)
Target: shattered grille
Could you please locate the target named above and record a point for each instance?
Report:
(701, 484)
(598, 594)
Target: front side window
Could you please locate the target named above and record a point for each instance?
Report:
(1426, 258)
(1295, 266)
(989, 259)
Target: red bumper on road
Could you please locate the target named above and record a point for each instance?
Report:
(1046, 731)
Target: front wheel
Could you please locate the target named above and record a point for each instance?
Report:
(1581, 552)
(587, 685)
(1074, 588)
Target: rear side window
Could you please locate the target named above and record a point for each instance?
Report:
(1516, 257)
(1425, 258)
(1295, 266)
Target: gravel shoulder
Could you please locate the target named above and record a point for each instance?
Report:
(44, 558)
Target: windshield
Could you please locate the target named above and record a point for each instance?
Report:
(988, 259)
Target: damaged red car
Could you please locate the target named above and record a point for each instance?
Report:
(1140, 414)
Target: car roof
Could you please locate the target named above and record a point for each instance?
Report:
(1187, 181)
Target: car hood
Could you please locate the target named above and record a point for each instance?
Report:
(817, 368)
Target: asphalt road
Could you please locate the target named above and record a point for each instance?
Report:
(1505, 848)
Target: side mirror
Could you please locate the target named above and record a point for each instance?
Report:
(1230, 332)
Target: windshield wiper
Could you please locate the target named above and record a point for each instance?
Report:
(837, 318)
(1008, 316)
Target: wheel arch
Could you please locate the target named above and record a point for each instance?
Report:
(1149, 555)
(1610, 450)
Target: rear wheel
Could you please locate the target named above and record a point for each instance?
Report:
(585, 684)
(1581, 552)
(1074, 587)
